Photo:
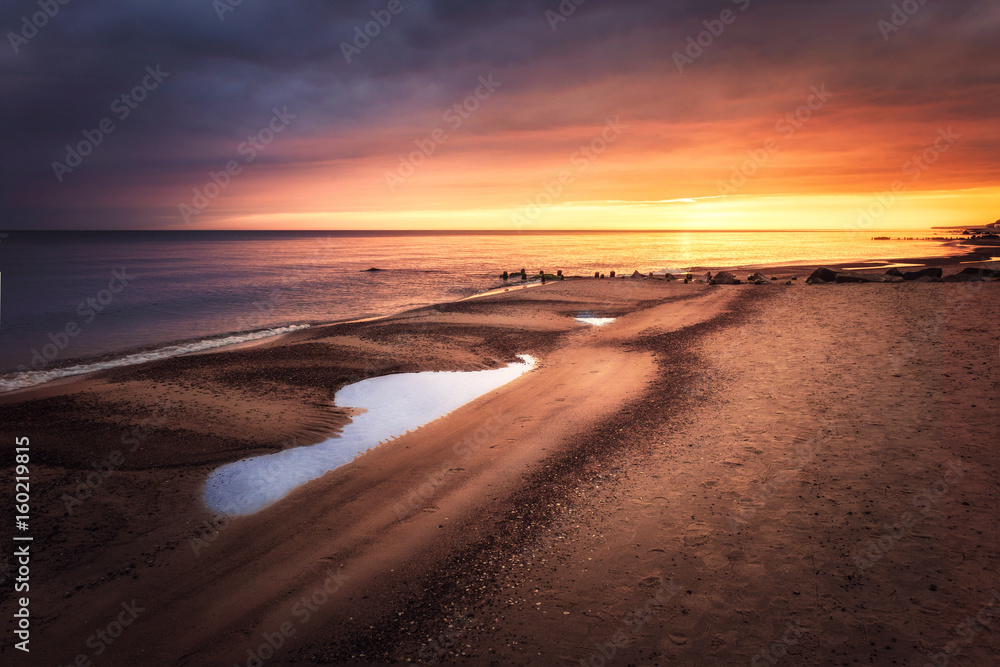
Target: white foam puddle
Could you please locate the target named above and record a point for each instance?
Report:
(395, 404)
(588, 318)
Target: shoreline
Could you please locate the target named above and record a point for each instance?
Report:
(110, 359)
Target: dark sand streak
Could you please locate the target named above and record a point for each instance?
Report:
(469, 584)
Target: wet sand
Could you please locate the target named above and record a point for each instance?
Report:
(805, 471)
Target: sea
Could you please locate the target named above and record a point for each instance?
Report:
(74, 302)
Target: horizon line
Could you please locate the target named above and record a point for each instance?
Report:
(488, 231)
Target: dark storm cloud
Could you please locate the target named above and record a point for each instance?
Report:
(226, 74)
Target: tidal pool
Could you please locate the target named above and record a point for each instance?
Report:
(588, 318)
(393, 405)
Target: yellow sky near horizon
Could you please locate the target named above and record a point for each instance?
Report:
(640, 176)
(852, 212)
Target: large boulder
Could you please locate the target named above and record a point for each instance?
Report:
(757, 276)
(929, 279)
(934, 272)
(894, 272)
(725, 278)
(964, 278)
(821, 276)
(855, 277)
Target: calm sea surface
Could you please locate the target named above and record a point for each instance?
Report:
(189, 286)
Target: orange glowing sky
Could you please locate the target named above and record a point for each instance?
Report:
(895, 130)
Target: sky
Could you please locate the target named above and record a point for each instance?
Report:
(515, 115)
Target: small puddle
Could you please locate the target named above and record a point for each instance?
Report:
(876, 265)
(588, 318)
(390, 406)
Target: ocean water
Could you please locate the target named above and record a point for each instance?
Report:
(77, 298)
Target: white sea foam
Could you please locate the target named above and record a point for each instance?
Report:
(31, 378)
(395, 404)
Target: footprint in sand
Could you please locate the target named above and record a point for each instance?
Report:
(925, 606)
(696, 534)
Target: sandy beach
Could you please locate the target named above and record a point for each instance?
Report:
(748, 474)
